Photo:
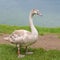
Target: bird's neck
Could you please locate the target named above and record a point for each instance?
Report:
(33, 29)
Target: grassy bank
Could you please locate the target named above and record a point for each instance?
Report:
(9, 29)
(8, 52)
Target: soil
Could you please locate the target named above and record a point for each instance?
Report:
(47, 41)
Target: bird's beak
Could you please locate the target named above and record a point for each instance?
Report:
(39, 14)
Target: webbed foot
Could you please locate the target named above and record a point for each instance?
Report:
(29, 52)
(21, 56)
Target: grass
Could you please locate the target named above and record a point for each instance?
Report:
(8, 52)
(42, 30)
(59, 37)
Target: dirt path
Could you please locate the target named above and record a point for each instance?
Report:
(47, 41)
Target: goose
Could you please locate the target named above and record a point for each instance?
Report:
(24, 37)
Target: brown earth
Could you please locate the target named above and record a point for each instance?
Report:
(47, 41)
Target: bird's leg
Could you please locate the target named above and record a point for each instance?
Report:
(18, 46)
(19, 55)
(26, 49)
(27, 52)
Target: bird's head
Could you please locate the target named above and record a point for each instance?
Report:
(36, 12)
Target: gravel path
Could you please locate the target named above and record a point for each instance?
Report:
(47, 41)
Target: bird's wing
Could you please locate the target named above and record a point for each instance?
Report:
(19, 34)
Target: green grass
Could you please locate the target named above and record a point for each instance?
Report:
(8, 52)
(59, 37)
(42, 30)
(9, 29)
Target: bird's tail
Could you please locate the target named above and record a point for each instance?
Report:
(6, 38)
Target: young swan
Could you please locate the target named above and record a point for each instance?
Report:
(24, 37)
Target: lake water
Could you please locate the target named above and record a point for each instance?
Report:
(16, 12)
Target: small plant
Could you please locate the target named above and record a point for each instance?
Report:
(41, 34)
(59, 37)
